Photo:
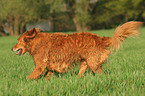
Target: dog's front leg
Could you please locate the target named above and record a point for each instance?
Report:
(37, 72)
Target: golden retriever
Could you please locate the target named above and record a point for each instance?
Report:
(58, 52)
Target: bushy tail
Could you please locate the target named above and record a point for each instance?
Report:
(129, 29)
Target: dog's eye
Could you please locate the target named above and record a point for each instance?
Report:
(25, 39)
(19, 42)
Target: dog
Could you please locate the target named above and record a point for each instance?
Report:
(57, 52)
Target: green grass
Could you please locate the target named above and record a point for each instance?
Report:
(124, 73)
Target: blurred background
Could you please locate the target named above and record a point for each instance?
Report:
(17, 16)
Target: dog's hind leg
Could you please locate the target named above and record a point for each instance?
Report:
(94, 63)
(83, 67)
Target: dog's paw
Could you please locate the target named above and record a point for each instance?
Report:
(28, 78)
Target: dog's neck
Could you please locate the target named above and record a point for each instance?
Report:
(32, 44)
(35, 43)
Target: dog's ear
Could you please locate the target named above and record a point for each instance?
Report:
(38, 30)
(30, 34)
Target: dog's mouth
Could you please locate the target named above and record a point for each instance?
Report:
(19, 52)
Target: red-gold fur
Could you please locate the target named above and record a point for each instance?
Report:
(57, 52)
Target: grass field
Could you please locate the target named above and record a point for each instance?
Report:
(124, 73)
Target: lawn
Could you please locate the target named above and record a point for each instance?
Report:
(124, 73)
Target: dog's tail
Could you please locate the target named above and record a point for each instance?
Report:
(129, 29)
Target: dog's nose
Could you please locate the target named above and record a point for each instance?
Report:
(11, 49)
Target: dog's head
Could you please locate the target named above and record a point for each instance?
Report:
(24, 39)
